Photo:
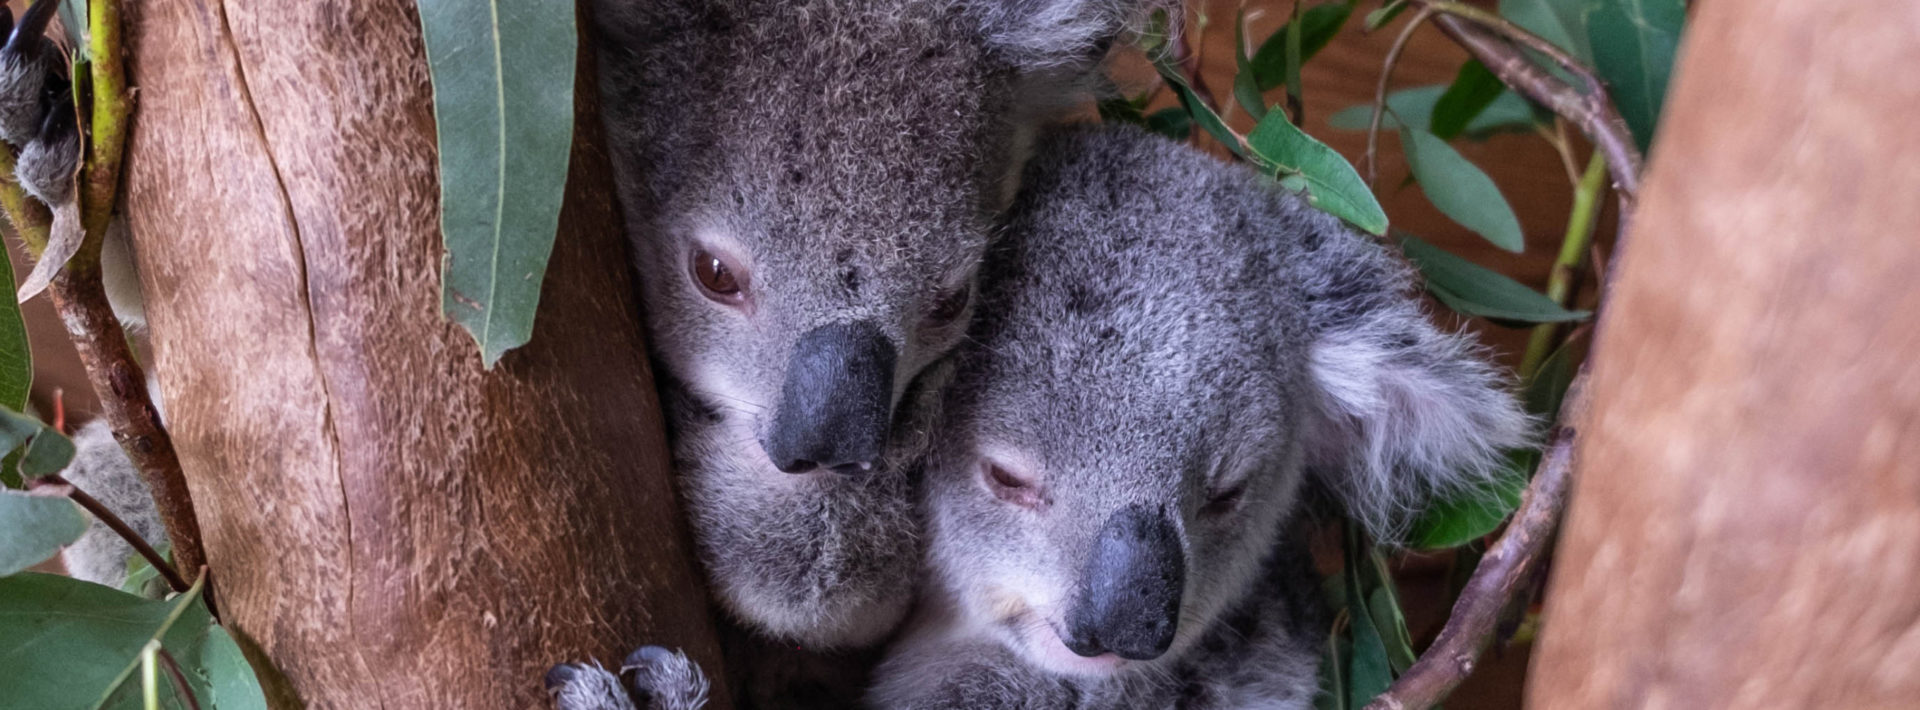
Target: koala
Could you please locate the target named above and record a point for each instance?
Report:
(1168, 347)
(809, 187)
(33, 85)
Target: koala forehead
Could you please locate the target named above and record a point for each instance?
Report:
(855, 137)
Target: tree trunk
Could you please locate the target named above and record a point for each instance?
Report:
(1745, 529)
(389, 524)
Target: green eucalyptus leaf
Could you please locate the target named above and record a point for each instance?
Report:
(1172, 122)
(503, 106)
(1246, 88)
(1560, 22)
(1415, 106)
(73, 645)
(1119, 110)
(1474, 514)
(73, 24)
(1196, 110)
(1318, 25)
(1333, 683)
(1385, 14)
(1332, 184)
(1369, 671)
(1634, 43)
(1391, 623)
(1475, 290)
(1460, 190)
(33, 528)
(32, 448)
(1473, 89)
(16, 359)
(1548, 386)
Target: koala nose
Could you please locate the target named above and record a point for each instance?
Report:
(1127, 601)
(836, 404)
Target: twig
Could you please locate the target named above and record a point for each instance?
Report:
(112, 107)
(1475, 30)
(119, 527)
(1509, 563)
(1566, 266)
(121, 386)
(1380, 91)
(180, 687)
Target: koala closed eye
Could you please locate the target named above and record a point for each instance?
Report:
(1008, 486)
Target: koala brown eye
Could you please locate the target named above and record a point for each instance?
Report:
(1010, 487)
(717, 278)
(1224, 500)
(948, 307)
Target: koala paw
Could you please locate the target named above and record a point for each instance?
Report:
(661, 679)
(580, 686)
(36, 105)
(665, 679)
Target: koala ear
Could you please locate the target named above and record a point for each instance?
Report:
(1404, 413)
(1042, 35)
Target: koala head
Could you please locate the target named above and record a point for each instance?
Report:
(810, 186)
(1167, 346)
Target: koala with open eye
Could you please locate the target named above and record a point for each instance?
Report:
(1168, 347)
(809, 188)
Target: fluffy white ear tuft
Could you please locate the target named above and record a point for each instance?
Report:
(1404, 413)
(1052, 34)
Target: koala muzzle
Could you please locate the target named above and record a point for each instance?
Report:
(836, 405)
(1127, 601)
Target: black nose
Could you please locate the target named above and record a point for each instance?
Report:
(837, 401)
(1128, 599)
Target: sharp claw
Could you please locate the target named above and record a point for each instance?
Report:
(32, 27)
(6, 20)
(560, 675)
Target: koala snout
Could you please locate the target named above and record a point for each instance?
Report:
(1127, 601)
(835, 407)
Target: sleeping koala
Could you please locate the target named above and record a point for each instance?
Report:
(1168, 346)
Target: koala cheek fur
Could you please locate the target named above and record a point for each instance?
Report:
(1192, 322)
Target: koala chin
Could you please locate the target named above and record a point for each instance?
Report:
(1168, 348)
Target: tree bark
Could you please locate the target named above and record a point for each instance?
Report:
(389, 524)
(1745, 529)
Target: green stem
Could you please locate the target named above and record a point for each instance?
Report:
(1566, 267)
(107, 130)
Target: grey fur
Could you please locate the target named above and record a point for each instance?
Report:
(851, 156)
(103, 470)
(1160, 329)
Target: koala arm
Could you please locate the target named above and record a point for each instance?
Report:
(103, 470)
(931, 673)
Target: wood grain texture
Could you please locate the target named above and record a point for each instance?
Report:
(393, 526)
(1745, 529)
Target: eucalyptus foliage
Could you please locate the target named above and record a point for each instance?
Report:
(1631, 43)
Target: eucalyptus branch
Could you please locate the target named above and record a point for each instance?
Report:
(1380, 91)
(1507, 566)
(1566, 266)
(119, 527)
(1492, 41)
(81, 300)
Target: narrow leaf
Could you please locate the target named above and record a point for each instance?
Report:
(1556, 21)
(1317, 26)
(33, 528)
(16, 358)
(503, 106)
(1472, 91)
(1172, 122)
(1332, 184)
(1460, 190)
(1475, 290)
(1246, 88)
(1415, 106)
(1385, 14)
(1473, 514)
(1634, 42)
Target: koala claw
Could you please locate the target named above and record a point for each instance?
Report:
(579, 686)
(662, 679)
(665, 679)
